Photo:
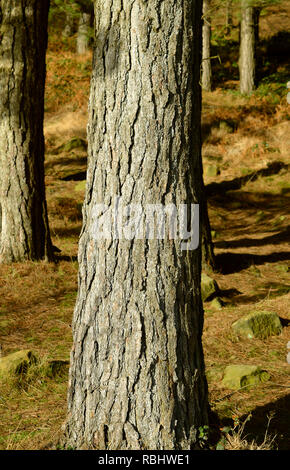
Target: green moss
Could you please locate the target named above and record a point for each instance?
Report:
(81, 186)
(16, 363)
(209, 287)
(238, 376)
(75, 142)
(258, 325)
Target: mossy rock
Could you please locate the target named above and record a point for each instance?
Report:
(55, 368)
(217, 304)
(209, 287)
(212, 170)
(17, 363)
(4, 326)
(283, 268)
(214, 374)
(75, 142)
(238, 376)
(258, 325)
(81, 186)
(227, 126)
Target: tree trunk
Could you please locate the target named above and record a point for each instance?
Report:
(257, 13)
(83, 33)
(206, 34)
(229, 16)
(68, 29)
(208, 256)
(23, 33)
(137, 378)
(247, 49)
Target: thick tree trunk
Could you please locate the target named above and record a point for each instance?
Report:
(23, 40)
(206, 34)
(137, 376)
(247, 49)
(83, 33)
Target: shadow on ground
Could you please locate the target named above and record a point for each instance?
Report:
(276, 239)
(229, 263)
(232, 185)
(279, 425)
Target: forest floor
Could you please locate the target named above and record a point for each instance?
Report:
(246, 168)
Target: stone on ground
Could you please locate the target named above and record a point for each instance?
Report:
(81, 186)
(75, 142)
(211, 170)
(16, 363)
(55, 368)
(216, 304)
(258, 325)
(208, 287)
(238, 376)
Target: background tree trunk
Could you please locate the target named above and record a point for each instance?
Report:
(206, 54)
(83, 35)
(257, 13)
(68, 29)
(247, 49)
(137, 376)
(23, 33)
(208, 256)
(229, 16)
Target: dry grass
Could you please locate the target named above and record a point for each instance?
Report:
(251, 226)
(235, 439)
(67, 80)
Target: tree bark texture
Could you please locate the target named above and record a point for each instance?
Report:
(23, 39)
(247, 49)
(137, 376)
(206, 53)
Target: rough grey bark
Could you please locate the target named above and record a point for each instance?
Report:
(83, 34)
(137, 376)
(206, 54)
(247, 49)
(23, 40)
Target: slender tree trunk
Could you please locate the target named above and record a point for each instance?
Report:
(208, 256)
(23, 33)
(257, 13)
(206, 34)
(247, 49)
(229, 16)
(83, 33)
(137, 376)
(68, 29)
